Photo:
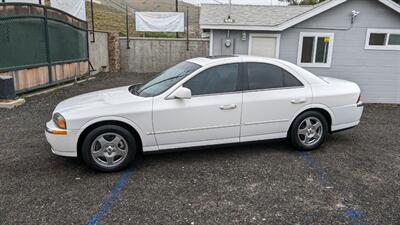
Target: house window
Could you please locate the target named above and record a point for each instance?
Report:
(383, 39)
(315, 49)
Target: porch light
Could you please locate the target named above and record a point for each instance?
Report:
(244, 36)
(354, 15)
(229, 20)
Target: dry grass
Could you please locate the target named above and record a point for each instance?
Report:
(109, 19)
(113, 19)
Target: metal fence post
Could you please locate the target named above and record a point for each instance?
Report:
(47, 40)
(187, 28)
(176, 10)
(88, 49)
(91, 11)
(127, 26)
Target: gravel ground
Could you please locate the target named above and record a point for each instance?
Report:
(353, 179)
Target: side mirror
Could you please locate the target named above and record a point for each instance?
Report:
(182, 93)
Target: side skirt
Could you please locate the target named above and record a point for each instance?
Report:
(211, 146)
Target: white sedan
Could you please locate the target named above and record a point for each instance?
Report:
(204, 101)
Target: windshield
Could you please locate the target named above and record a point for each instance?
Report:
(165, 80)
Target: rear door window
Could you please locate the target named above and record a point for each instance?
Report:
(267, 76)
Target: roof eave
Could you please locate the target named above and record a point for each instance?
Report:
(295, 20)
(238, 27)
(391, 4)
(311, 13)
(285, 25)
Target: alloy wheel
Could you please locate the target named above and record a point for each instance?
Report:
(310, 131)
(109, 149)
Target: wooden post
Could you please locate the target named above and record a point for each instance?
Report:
(47, 40)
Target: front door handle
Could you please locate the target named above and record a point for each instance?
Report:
(298, 101)
(227, 107)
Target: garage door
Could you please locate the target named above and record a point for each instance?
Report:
(264, 45)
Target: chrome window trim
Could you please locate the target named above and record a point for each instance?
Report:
(273, 89)
(215, 94)
(243, 92)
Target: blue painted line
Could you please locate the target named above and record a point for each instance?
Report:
(319, 172)
(353, 214)
(109, 200)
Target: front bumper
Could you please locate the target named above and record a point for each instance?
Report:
(63, 142)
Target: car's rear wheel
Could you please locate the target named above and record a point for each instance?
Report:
(308, 131)
(109, 148)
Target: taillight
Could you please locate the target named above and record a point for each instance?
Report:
(359, 102)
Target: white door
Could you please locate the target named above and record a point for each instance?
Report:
(211, 116)
(264, 45)
(273, 98)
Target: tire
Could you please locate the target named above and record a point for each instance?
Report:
(109, 148)
(306, 137)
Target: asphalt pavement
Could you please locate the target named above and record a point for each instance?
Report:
(354, 178)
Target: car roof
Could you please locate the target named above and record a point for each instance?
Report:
(203, 61)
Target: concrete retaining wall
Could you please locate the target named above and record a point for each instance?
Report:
(149, 55)
(99, 52)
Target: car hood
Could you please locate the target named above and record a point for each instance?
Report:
(98, 99)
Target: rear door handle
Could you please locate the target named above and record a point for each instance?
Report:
(227, 107)
(298, 101)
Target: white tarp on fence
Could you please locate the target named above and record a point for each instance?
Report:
(27, 1)
(76, 8)
(160, 21)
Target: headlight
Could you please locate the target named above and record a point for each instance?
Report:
(59, 120)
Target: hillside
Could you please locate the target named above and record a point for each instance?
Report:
(110, 16)
(110, 19)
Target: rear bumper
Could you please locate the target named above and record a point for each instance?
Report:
(64, 144)
(347, 117)
(337, 131)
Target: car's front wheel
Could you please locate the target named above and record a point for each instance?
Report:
(109, 148)
(308, 131)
